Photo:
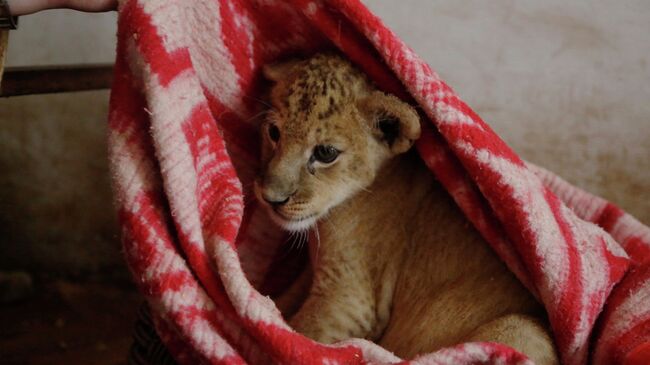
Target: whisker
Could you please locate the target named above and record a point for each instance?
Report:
(317, 241)
(262, 113)
(361, 187)
(291, 245)
(260, 101)
(303, 239)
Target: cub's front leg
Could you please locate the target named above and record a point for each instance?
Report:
(340, 305)
(523, 333)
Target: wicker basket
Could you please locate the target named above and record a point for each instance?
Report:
(147, 348)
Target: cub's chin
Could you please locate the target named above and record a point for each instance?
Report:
(292, 225)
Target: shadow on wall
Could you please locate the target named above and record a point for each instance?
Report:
(56, 213)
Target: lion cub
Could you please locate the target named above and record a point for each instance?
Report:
(395, 261)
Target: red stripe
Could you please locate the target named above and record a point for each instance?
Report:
(637, 249)
(237, 41)
(640, 355)
(619, 349)
(609, 216)
(629, 286)
(192, 314)
(126, 102)
(566, 316)
(288, 347)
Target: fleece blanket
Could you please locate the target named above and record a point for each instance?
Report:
(183, 153)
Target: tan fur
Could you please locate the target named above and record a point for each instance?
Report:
(393, 258)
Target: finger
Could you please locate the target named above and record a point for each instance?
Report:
(24, 7)
(91, 5)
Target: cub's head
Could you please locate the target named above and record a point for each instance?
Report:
(326, 136)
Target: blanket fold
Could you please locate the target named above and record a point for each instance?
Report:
(183, 151)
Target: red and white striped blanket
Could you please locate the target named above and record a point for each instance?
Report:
(183, 150)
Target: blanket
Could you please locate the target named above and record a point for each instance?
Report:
(183, 152)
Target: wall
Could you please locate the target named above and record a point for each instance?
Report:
(564, 83)
(55, 208)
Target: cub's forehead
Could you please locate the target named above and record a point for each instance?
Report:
(340, 127)
(319, 89)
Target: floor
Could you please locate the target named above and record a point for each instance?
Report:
(69, 323)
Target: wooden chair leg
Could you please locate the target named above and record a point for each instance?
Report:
(55, 79)
(4, 41)
(50, 79)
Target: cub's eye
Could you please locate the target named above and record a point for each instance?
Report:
(274, 132)
(325, 154)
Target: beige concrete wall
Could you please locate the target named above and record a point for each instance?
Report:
(565, 83)
(63, 37)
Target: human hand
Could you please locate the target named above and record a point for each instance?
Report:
(24, 7)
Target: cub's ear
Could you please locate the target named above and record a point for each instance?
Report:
(279, 71)
(393, 121)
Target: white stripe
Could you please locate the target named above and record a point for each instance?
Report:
(247, 301)
(449, 115)
(311, 8)
(205, 159)
(132, 171)
(171, 106)
(165, 260)
(596, 274)
(587, 206)
(371, 351)
(166, 17)
(189, 295)
(628, 226)
(204, 337)
(633, 310)
(210, 56)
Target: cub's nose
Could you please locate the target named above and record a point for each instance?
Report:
(276, 198)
